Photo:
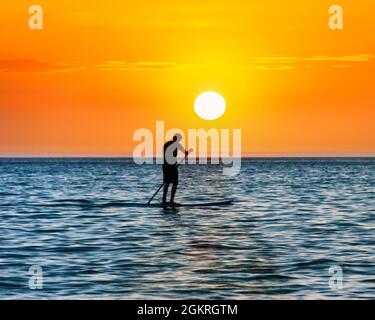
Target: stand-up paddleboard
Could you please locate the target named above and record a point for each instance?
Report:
(180, 205)
(123, 204)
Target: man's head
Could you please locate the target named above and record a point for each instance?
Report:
(177, 137)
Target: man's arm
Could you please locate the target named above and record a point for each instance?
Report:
(182, 149)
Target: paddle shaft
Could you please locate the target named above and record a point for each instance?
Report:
(163, 184)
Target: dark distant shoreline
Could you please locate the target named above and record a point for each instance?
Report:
(131, 158)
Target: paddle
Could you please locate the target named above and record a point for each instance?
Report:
(190, 150)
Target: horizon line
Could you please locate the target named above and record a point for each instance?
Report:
(155, 157)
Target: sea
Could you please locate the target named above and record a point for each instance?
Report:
(299, 228)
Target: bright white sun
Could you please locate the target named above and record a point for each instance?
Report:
(209, 105)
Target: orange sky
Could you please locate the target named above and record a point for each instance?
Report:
(99, 70)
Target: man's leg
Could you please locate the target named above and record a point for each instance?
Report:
(174, 189)
(165, 191)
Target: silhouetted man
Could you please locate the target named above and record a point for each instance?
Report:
(170, 170)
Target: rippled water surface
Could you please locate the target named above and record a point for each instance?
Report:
(292, 221)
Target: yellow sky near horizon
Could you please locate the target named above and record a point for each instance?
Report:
(100, 70)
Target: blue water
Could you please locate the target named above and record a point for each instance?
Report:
(293, 220)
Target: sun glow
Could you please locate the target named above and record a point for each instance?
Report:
(209, 105)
